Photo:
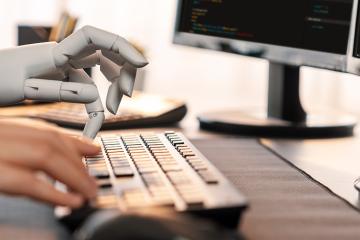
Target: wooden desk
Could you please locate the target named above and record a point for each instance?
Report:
(284, 203)
(333, 162)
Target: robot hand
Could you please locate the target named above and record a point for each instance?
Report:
(54, 72)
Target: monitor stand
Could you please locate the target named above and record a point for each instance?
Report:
(285, 116)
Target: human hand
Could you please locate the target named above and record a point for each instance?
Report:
(29, 147)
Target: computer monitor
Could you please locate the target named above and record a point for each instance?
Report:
(290, 34)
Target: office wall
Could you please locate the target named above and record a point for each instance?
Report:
(36, 12)
(206, 79)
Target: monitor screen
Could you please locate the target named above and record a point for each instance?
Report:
(319, 25)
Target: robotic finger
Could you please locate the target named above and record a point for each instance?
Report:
(52, 90)
(122, 77)
(94, 124)
(94, 109)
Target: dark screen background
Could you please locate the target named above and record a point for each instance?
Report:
(321, 25)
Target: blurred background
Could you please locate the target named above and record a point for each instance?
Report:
(204, 79)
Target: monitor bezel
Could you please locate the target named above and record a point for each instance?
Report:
(353, 62)
(273, 53)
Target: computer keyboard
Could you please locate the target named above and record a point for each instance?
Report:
(142, 110)
(136, 171)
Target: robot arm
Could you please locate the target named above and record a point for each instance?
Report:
(22, 70)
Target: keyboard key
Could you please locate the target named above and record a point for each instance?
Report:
(115, 146)
(137, 150)
(183, 149)
(98, 166)
(163, 200)
(147, 169)
(156, 146)
(95, 162)
(162, 150)
(114, 149)
(110, 142)
(198, 166)
(178, 178)
(162, 156)
(99, 173)
(104, 183)
(134, 197)
(109, 201)
(169, 132)
(171, 167)
(177, 142)
(153, 179)
(158, 190)
(143, 160)
(193, 201)
(193, 158)
(105, 192)
(119, 155)
(120, 165)
(112, 145)
(187, 154)
(208, 177)
(118, 159)
(139, 154)
(97, 157)
(123, 171)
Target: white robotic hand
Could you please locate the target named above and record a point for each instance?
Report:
(54, 72)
